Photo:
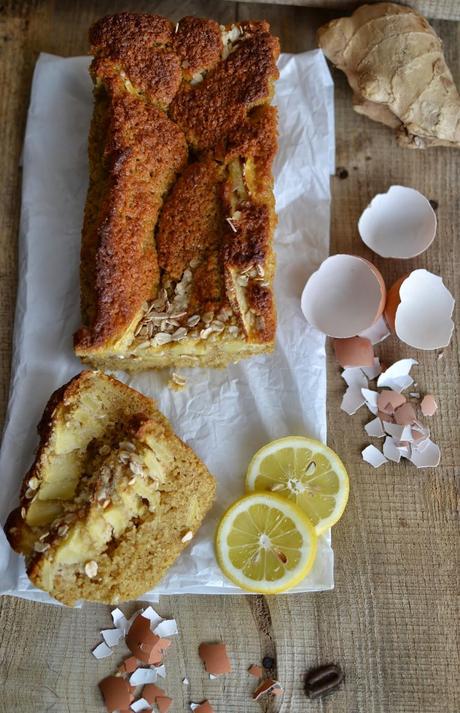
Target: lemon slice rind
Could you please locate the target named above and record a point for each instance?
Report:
(303, 526)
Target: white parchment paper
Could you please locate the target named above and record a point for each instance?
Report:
(225, 415)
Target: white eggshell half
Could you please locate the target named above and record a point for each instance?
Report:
(423, 317)
(344, 296)
(400, 223)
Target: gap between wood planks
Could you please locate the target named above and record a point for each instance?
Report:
(261, 613)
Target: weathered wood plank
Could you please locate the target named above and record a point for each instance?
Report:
(391, 619)
(437, 9)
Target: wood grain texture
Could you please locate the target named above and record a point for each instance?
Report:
(392, 620)
(436, 9)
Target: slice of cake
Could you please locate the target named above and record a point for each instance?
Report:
(177, 263)
(112, 498)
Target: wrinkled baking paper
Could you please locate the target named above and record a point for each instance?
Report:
(225, 415)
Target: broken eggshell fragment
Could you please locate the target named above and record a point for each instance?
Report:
(377, 332)
(353, 351)
(345, 296)
(398, 224)
(116, 693)
(419, 309)
(429, 405)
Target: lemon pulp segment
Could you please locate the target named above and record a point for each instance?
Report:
(265, 543)
(306, 472)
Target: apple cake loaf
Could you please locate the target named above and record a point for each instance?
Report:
(112, 498)
(177, 263)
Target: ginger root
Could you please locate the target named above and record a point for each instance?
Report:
(394, 63)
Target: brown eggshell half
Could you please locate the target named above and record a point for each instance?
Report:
(383, 289)
(392, 303)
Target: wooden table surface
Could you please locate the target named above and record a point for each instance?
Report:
(392, 620)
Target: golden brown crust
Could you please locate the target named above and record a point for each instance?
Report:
(208, 290)
(208, 111)
(260, 300)
(198, 44)
(191, 220)
(143, 155)
(152, 73)
(126, 31)
(151, 220)
(248, 243)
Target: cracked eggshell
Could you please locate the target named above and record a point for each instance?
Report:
(377, 332)
(392, 303)
(344, 296)
(354, 351)
(419, 310)
(398, 224)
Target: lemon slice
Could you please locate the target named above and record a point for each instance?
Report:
(265, 544)
(306, 472)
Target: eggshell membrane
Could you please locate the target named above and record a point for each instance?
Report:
(344, 296)
(423, 317)
(398, 224)
(392, 303)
